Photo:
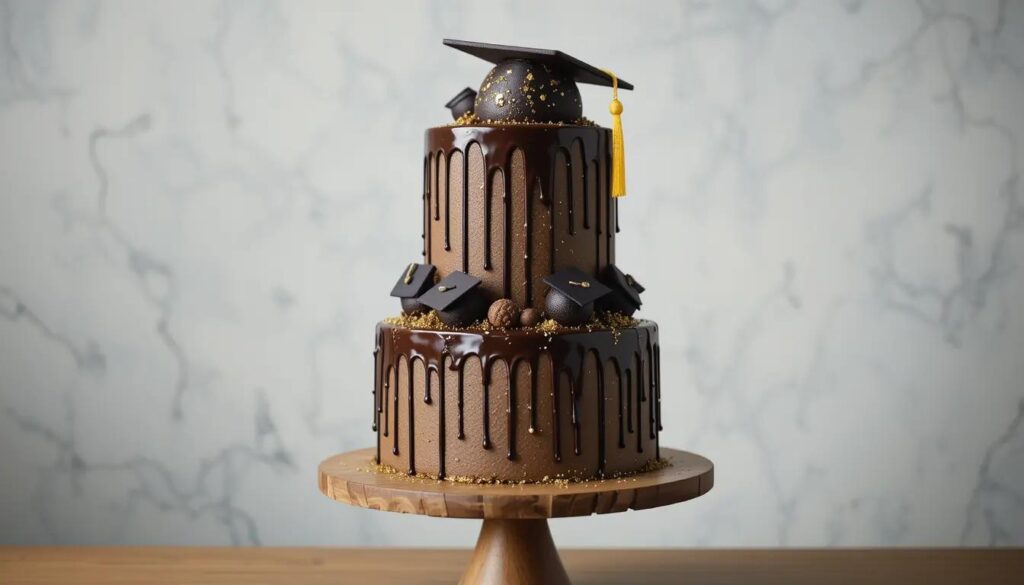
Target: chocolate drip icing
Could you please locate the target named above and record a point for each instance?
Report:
(556, 424)
(385, 411)
(441, 431)
(602, 455)
(554, 168)
(465, 210)
(506, 236)
(488, 201)
(394, 431)
(434, 186)
(577, 449)
(629, 400)
(533, 397)
(447, 160)
(510, 409)
(588, 190)
(376, 383)
(528, 234)
(376, 396)
(412, 418)
(657, 377)
(652, 385)
(567, 188)
(640, 398)
(487, 402)
(622, 427)
(462, 404)
(631, 354)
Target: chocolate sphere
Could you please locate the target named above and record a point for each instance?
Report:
(470, 308)
(565, 310)
(412, 306)
(616, 302)
(504, 313)
(517, 90)
(530, 317)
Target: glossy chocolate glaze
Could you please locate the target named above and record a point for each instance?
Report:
(563, 169)
(553, 384)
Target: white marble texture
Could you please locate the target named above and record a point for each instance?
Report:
(203, 207)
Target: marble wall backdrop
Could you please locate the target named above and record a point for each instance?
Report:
(204, 205)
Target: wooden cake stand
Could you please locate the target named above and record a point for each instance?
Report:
(515, 544)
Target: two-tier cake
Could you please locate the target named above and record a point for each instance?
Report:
(516, 357)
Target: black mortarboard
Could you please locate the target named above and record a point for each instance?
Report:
(531, 85)
(452, 288)
(570, 66)
(633, 283)
(624, 284)
(577, 286)
(462, 103)
(415, 279)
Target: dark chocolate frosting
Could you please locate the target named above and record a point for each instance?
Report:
(513, 204)
(562, 402)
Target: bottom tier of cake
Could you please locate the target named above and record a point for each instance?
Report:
(520, 405)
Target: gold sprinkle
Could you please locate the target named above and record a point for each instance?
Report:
(584, 284)
(499, 100)
(543, 97)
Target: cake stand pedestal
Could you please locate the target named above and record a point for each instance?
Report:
(515, 545)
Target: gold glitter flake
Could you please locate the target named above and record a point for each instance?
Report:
(499, 100)
(560, 480)
(470, 119)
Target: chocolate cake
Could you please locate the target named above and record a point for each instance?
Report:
(516, 357)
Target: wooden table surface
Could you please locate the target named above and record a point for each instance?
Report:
(297, 566)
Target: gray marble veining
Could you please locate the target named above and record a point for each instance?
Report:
(204, 203)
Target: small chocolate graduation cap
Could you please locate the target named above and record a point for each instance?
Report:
(633, 283)
(462, 103)
(456, 299)
(538, 86)
(571, 298)
(625, 294)
(415, 280)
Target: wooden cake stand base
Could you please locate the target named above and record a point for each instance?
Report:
(515, 545)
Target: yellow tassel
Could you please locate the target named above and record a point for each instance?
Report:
(618, 144)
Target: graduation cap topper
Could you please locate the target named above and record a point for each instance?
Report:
(576, 69)
(539, 86)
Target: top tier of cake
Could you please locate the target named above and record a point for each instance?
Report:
(511, 204)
